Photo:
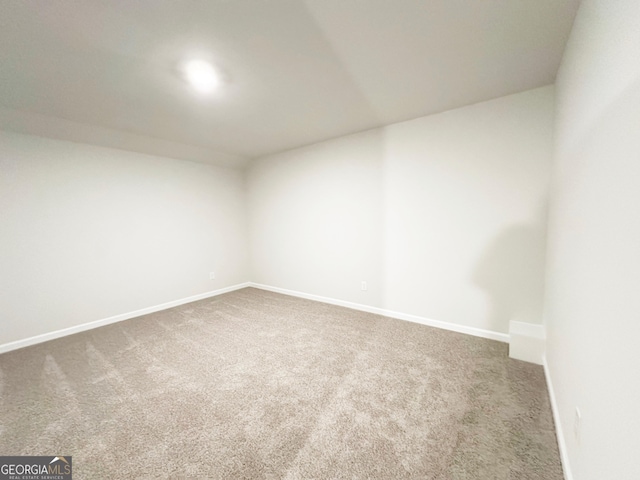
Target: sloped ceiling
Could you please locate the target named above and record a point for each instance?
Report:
(295, 72)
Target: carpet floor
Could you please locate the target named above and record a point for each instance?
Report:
(253, 384)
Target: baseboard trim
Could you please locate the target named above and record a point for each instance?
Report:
(562, 446)
(477, 332)
(45, 337)
(527, 341)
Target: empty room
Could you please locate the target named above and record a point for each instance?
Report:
(320, 239)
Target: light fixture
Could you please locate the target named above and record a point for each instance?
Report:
(201, 75)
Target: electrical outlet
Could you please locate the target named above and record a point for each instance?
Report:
(363, 286)
(577, 420)
(212, 275)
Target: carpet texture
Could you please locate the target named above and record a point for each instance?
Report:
(253, 384)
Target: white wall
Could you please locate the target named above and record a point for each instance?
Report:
(592, 307)
(90, 232)
(443, 216)
(316, 221)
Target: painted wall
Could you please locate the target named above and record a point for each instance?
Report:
(315, 218)
(592, 307)
(443, 216)
(84, 227)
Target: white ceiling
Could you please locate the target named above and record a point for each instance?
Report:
(296, 72)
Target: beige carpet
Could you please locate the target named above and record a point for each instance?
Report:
(253, 384)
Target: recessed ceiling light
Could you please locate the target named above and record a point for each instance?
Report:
(201, 75)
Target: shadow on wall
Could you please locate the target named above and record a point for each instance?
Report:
(511, 271)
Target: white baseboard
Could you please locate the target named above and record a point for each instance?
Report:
(527, 341)
(562, 446)
(478, 332)
(7, 347)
